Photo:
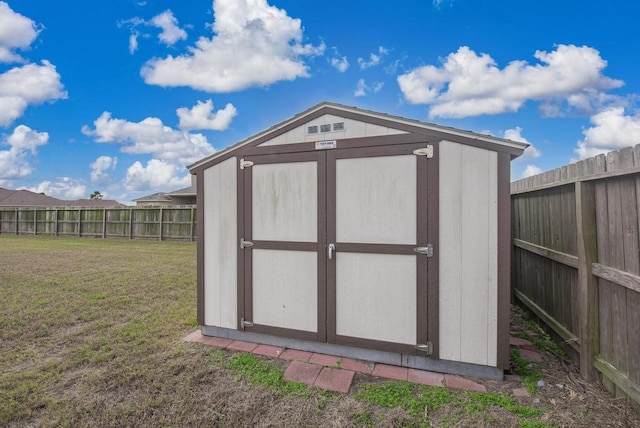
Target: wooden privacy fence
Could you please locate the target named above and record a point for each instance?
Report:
(576, 261)
(162, 223)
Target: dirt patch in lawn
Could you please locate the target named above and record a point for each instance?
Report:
(91, 335)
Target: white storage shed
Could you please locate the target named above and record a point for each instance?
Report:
(359, 234)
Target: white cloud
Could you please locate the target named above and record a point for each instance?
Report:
(374, 59)
(468, 84)
(151, 137)
(63, 188)
(168, 23)
(530, 170)
(133, 42)
(157, 174)
(100, 169)
(255, 44)
(515, 134)
(25, 85)
(612, 130)
(340, 63)
(23, 145)
(16, 32)
(201, 116)
(363, 89)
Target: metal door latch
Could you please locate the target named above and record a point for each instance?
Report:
(245, 164)
(330, 250)
(427, 250)
(426, 348)
(244, 323)
(244, 244)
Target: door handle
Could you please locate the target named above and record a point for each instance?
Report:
(331, 249)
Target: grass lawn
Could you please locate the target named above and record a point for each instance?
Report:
(90, 335)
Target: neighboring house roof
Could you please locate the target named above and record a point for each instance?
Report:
(94, 203)
(187, 191)
(515, 148)
(156, 197)
(25, 198)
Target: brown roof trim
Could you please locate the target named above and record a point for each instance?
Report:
(497, 144)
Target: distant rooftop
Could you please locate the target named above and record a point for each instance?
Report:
(27, 198)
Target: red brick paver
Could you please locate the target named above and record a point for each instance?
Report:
(457, 382)
(335, 380)
(218, 342)
(299, 371)
(390, 372)
(268, 351)
(521, 392)
(518, 342)
(512, 378)
(293, 354)
(239, 345)
(324, 360)
(196, 336)
(425, 377)
(531, 355)
(356, 366)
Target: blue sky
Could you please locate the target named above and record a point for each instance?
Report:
(119, 96)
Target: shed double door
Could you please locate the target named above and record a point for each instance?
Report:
(330, 246)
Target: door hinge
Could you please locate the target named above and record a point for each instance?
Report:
(426, 151)
(427, 348)
(244, 323)
(426, 250)
(244, 244)
(245, 164)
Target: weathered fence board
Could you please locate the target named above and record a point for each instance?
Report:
(162, 223)
(576, 261)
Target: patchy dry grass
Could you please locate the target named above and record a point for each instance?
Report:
(90, 336)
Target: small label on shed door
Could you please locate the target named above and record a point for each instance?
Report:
(325, 145)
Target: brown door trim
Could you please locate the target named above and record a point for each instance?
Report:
(427, 232)
(245, 288)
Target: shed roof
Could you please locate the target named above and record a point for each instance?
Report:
(515, 148)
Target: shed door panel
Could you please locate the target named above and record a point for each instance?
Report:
(376, 297)
(285, 287)
(376, 200)
(377, 216)
(284, 266)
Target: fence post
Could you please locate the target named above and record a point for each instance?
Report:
(191, 226)
(17, 221)
(587, 283)
(160, 232)
(131, 223)
(35, 222)
(104, 223)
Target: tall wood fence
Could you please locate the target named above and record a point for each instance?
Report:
(576, 261)
(161, 223)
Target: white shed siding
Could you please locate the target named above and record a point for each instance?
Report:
(468, 254)
(352, 129)
(220, 244)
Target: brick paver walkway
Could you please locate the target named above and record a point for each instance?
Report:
(336, 374)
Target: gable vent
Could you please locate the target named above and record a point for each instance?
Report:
(324, 128)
